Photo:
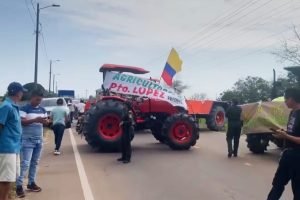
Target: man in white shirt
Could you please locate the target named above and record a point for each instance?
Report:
(80, 107)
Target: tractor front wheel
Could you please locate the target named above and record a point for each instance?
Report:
(181, 131)
(102, 127)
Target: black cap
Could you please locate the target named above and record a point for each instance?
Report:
(15, 87)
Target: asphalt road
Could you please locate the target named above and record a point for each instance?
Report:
(156, 172)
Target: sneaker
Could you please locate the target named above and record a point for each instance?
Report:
(34, 188)
(56, 152)
(20, 192)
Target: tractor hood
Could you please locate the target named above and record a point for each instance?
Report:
(122, 68)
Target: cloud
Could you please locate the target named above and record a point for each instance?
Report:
(158, 24)
(134, 31)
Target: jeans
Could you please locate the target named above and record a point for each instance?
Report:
(58, 130)
(30, 156)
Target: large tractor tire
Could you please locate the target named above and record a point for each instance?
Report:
(102, 125)
(181, 131)
(158, 133)
(257, 143)
(216, 119)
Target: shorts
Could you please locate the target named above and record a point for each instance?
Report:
(9, 167)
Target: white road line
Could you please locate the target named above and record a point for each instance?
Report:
(87, 192)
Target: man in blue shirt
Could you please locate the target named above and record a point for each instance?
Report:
(33, 116)
(10, 136)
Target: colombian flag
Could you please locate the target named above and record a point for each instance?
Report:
(172, 67)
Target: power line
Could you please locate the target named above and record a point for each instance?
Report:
(251, 52)
(220, 21)
(44, 43)
(266, 17)
(217, 21)
(33, 7)
(28, 9)
(247, 43)
(224, 38)
(236, 20)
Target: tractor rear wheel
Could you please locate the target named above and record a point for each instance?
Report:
(257, 143)
(102, 125)
(216, 119)
(181, 131)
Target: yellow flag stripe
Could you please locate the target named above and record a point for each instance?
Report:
(174, 60)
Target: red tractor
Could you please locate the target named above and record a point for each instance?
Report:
(171, 125)
(212, 111)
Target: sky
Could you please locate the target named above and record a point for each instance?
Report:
(219, 41)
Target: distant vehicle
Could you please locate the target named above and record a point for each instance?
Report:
(68, 100)
(50, 103)
(75, 101)
(66, 93)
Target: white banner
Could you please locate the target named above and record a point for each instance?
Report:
(137, 86)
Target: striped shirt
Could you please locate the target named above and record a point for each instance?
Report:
(34, 130)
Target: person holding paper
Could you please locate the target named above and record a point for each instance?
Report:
(289, 164)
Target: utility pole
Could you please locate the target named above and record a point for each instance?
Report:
(56, 88)
(50, 74)
(53, 82)
(274, 88)
(54, 75)
(37, 32)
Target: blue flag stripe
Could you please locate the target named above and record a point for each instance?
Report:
(169, 69)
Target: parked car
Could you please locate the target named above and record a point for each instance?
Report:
(50, 103)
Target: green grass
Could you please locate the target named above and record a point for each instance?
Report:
(202, 123)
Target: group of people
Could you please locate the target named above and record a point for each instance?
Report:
(21, 133)
(21, 138)
(289, 164)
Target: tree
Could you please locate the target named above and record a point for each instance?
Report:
(250, 89)
(179, 87)
(286, 82)
(198, 96)
(30, 87)
(290, 49)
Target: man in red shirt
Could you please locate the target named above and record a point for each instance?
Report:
(89, 103)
